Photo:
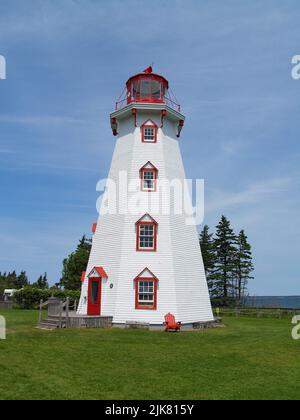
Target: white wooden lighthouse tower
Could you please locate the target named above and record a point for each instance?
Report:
(145, 260)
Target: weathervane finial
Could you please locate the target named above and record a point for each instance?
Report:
(148, 70)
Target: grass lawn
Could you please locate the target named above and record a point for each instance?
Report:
(249, 359)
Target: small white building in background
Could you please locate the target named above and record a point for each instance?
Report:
(8, 294)
(145, 263)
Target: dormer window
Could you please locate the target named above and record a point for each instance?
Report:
(146, 234)
(146, 285)
(149, 132)
(148, 175)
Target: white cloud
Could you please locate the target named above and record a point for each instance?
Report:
(257, 192)
(41, 120)
(230, 147)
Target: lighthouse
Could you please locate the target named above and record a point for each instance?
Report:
(145, 259)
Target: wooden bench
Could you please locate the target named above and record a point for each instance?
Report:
(137, 325)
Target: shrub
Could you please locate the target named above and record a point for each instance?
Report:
(223, 302)
(30, 297)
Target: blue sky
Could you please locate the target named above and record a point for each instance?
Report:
(229, 63)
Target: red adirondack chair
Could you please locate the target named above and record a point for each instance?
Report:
(171, 324)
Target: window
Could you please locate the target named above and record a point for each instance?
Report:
(147, 90)
(146, 291)
(149, 132)
(148, 175)
(94, 291)
(148, 180)
(146, 236)
(146, 232)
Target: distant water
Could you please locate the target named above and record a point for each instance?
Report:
(287, 302)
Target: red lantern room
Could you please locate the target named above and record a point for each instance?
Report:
(147, 87)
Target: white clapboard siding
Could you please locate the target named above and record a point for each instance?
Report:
(177, 263)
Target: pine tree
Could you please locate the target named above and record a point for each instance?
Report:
(22, 280)
(208, 254)
(42, 282)
(75, 264)
(2, 284)
(11, 280)
(244, 265)
(45, 281)
(226, 254)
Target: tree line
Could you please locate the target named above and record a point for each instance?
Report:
(228, 262)
(12, 280)
(29, 294)
(73, 266)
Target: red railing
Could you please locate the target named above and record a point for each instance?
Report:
(172, 104)
(166, 100)
(121, 104)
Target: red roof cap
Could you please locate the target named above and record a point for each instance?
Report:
(153, 76)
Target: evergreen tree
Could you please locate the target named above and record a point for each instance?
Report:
(243, 265)
(75, 264)
(208, 254)
(2, 283)
(225, 254)
(42, 282)
(45, 281)
(22, 280)
(12, 281)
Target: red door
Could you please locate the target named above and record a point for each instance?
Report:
(94, 296)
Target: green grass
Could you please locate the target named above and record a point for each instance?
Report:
(249, 359)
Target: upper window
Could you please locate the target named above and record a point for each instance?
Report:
(145, 293)
(149, 132)
(146, 234)
(148, 175)
(146, 290)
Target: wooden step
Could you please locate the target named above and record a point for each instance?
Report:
(75, 321)
(55, 318)
(43, 326)
(51, 324)
(50, 321)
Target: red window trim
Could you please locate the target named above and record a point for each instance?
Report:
(152, 125)
(137, 305)
(138, 224)
(155, 171)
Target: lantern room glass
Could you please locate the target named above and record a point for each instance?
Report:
(146, 89)
(143, 89)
